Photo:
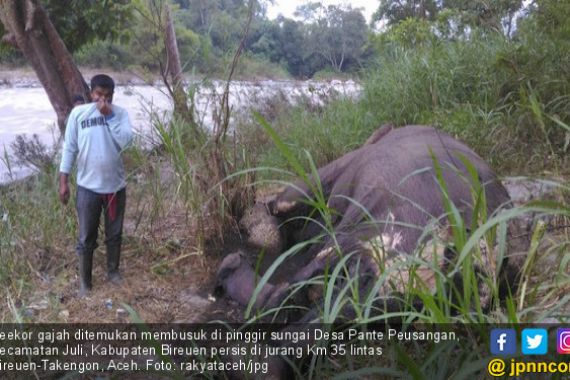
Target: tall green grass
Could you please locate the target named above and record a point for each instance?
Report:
(480, 249)
(480, 245)
(33, 228)
(499, 95)
(506, 98)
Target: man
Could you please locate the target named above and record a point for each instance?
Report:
(96, 134)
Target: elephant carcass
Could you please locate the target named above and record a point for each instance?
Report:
(381, 198)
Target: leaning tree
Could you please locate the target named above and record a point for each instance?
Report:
(29, 29)
(47, 31)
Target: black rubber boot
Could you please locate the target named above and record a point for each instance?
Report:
(113, 259)
(85, 267)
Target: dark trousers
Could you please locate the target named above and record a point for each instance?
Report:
(89, 206)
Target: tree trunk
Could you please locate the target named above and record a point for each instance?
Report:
(175, 70)
(422, 10)
(29, 29)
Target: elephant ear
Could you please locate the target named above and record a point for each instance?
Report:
(280, 207)
(379, 133)
(293, 199)
(289, 201)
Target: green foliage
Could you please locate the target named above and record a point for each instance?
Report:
(463, 86)
(265, 40)
(328, 74)
(105, 54)
(253, 66)
(552, 18)
(506, 97)
(79, 22)
(411, 32)
(177, 139)
(408, 83)
(9, 55)
(327, 132)
(291, 37)
(207, 32)
(197, 14)
(336, 33)
(458, 14)
(33, 226)
(502, 96)
(224, 31)
(490, 15)
(395, 11)
(191, 46)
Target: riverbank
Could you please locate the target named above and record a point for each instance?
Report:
(26, 109)
(23, 77)
(26, 77)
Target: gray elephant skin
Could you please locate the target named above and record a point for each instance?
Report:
(381, 197)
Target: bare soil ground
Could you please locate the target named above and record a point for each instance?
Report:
(165, 279)
(158, 286)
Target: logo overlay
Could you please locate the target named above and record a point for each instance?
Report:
(563, 341)
(534, 341)
(499, 368)
(496, 367)
(504, 342)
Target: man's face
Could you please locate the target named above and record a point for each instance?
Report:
(100, 93)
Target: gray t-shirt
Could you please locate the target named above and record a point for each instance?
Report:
(96, 142)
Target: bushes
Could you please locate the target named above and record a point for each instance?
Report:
(327, 131)
(104, 54)
(506, 98)
(427, 84)
(499, 95)
(10, 56)
(255, 67)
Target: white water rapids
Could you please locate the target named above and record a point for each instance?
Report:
(27, 110)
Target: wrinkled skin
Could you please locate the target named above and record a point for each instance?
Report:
(392, 177)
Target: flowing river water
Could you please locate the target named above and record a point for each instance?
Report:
(27, 110)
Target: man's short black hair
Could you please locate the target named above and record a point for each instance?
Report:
(103, 81)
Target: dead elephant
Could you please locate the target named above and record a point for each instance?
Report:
(382, 198)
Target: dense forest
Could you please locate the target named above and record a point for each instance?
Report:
(122, 34)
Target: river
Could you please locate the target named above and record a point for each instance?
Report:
(27, 110)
